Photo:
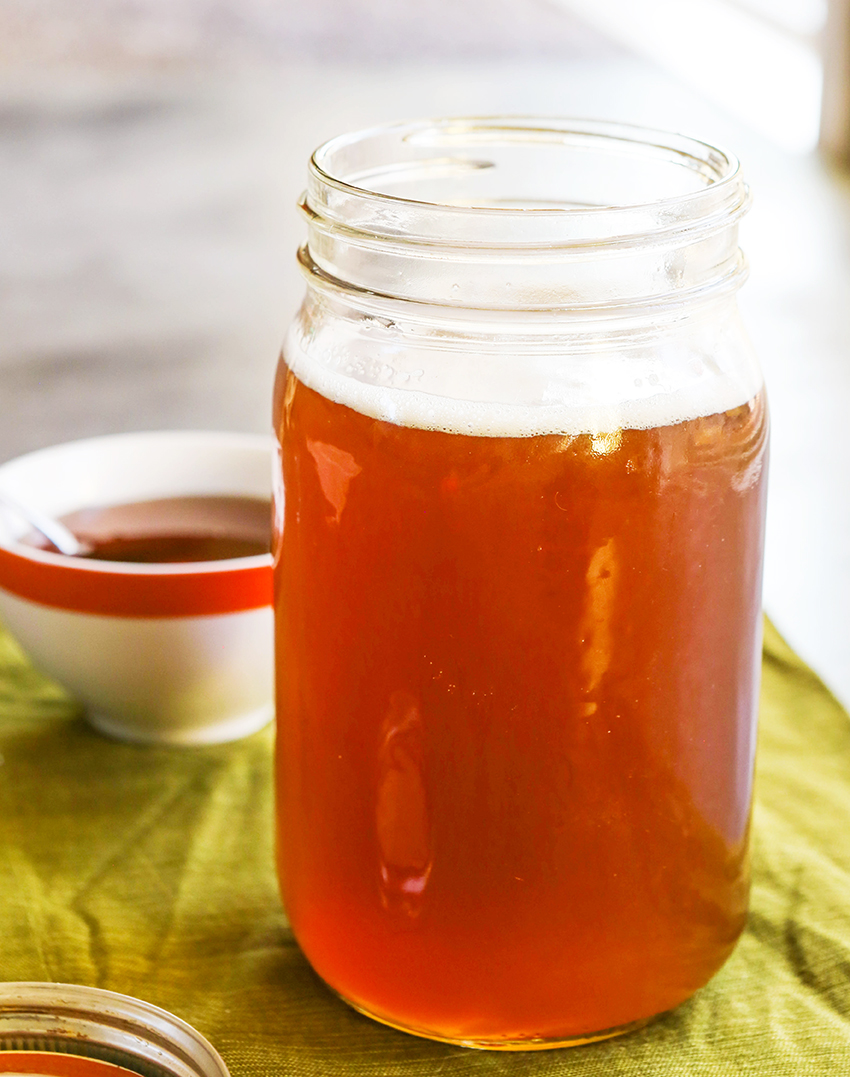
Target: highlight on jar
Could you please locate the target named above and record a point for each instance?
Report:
(157, 615)
(518, 546)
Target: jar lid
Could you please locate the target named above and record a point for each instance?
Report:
(65, 1030)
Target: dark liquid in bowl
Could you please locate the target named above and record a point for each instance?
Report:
(172, 529)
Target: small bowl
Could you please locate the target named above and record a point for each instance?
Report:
(156, 653)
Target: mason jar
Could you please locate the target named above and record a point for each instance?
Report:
(518, 548)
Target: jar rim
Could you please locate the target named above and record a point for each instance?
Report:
(524, 213)
(93, 1025)
(345, 197)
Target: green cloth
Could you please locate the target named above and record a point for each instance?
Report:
(149, 871)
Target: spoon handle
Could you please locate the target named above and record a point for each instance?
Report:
(55, 532)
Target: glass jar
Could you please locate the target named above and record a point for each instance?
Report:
(518, 546)
(69, 1030)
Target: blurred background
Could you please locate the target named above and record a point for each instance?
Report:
(152, 152)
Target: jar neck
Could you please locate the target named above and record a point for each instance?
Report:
(524, 215)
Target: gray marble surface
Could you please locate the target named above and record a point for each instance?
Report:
(115, 34)
(147, 193)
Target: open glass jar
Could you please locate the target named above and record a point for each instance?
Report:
(518, 544)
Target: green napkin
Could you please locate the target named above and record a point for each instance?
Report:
(149, 871)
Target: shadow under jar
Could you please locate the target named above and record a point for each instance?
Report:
(518, 547)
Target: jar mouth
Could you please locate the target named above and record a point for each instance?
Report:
(522, 182)
(523, 213)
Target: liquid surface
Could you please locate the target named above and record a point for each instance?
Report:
(174, 529)
(516, 700)
(601, 392)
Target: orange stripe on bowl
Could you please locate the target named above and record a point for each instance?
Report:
(85, 588)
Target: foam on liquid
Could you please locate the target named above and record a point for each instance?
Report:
(706, 395)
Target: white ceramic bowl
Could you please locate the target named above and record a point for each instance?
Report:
(169, 653)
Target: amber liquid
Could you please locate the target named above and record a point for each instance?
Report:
(171, 529)
(516, 699)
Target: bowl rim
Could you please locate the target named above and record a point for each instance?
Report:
(64, 562)
(132, 589)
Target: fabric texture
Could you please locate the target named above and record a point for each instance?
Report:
(149, 871)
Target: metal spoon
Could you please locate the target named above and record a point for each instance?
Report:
(55, 532)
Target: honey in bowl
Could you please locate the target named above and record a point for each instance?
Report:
(171, 529)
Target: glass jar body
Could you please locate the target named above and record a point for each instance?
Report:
(518, 621)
